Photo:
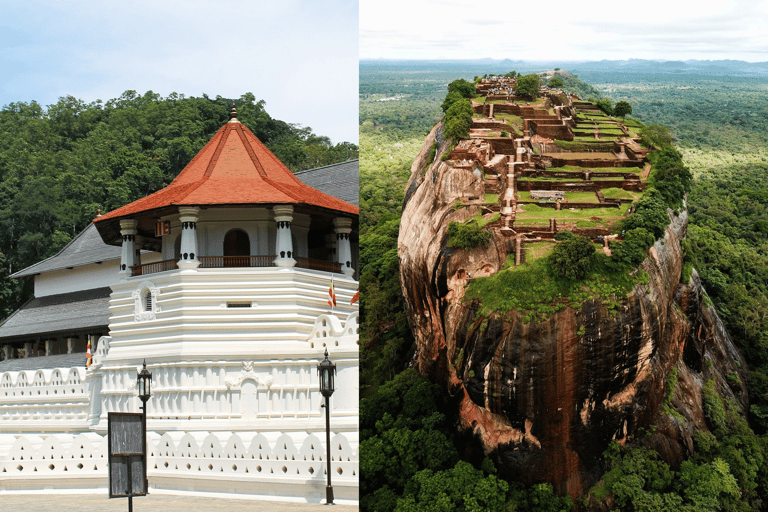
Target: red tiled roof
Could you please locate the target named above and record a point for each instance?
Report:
(233, 168)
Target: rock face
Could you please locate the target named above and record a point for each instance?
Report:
(547, 398)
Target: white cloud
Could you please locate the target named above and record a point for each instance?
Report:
(562, 30)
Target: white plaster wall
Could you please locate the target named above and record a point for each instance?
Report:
(85, 277)
(76, 279)
(193, 317)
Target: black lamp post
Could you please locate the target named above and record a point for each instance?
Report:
(326, 371)
(144, 385)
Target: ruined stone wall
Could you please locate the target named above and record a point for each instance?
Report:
(580, 186)
(550, 130)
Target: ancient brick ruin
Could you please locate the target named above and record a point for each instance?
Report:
(557, 152)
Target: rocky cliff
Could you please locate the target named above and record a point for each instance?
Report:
(547, 397)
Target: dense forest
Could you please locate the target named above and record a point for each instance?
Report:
(62, 164)
(411, 456)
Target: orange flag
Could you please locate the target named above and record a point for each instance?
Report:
(331, 295)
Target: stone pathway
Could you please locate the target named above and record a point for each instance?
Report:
(45, 502)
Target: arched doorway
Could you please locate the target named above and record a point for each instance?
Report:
(237, 249)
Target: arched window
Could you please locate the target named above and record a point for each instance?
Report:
(146, 299)
(237, 243)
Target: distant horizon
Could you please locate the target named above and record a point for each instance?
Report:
(545, 61)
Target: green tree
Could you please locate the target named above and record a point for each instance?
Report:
(622, 108)
(450, 98)
(572, 258)
(528, 85)
(629, 253)
(463, 87)
(459, 489)
(604, 104)
(555, 83)
(458, 120)
(656, 135)
(467, 236)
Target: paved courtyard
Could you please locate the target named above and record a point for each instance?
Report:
(45, 502)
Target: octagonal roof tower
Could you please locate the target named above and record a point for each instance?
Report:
(234, 169)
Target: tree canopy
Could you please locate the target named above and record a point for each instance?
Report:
(528, 85)
(555, 83)
(622, 108)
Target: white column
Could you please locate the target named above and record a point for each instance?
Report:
(343, 227)
(49, 347)
(70, 346)
(128, 255)
(189, 254)
(284, 241)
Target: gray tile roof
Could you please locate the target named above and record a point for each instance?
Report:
(87, 247)
(64, 313)
(341, 181)
(43, 363)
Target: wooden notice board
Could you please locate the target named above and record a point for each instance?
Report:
(127, 454)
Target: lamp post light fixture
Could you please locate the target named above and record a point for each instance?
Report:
(144, 385)
(326, 371)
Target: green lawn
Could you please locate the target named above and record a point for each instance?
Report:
(618, 193)
(586, 156)
(534, 212)
(536, 250)
(581, 197)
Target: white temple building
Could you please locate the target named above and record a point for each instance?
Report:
(220, 282)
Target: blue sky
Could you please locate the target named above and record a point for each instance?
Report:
(301, 57)
(560, 30)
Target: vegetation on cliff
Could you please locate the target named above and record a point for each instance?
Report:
(728, 471)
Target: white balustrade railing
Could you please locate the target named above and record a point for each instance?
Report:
(59, 395)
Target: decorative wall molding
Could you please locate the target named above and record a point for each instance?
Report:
(235, 381)
(140, 311)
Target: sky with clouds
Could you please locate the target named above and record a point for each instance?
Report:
(559, 30)
(299, 56)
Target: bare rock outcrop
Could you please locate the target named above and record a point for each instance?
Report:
(546, 398)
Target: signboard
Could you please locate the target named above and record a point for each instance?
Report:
(127, 454)
(163, 228)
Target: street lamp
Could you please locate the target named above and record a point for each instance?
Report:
(326, 371)
(144, 385)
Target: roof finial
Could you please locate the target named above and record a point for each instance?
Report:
(233, 111)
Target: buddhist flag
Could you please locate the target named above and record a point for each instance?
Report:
(355, 297)
(331, 295)
(88, 357)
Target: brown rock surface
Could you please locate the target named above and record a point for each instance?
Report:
(545, 400)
